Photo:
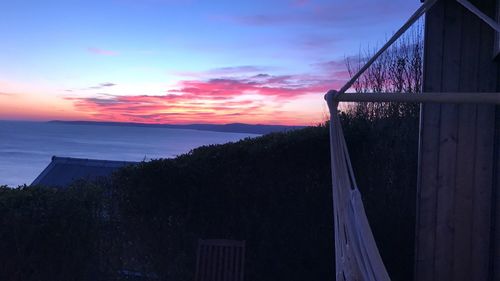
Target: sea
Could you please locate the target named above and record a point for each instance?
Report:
(26, 148)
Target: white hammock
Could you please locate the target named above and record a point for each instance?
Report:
(356, 254)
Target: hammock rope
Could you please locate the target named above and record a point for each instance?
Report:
(357, 256)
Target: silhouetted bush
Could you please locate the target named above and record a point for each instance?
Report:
(273, 191)
(49, 234)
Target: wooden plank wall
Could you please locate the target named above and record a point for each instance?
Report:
(496, 195)
(456, 202)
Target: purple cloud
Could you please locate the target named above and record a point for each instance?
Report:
(98, 51)
(241, 70)
(335, 68)
(232, 70)
(300, 2)
(100, 86)
(317, 42)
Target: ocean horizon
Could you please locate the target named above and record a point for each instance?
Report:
(27, 147)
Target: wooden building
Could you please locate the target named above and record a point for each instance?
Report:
(458, 200)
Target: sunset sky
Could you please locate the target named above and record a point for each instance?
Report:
(183, 61)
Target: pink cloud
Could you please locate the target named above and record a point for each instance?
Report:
(102, 52)
(250, 99)
(281, 87)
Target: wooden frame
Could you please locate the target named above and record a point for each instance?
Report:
(496, 49)
(493, 22)
(458, 156)
(438, 97)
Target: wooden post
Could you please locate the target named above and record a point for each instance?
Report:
(457, 213)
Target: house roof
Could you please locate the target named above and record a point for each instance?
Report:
(62, 171)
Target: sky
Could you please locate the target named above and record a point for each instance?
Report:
(183, 61)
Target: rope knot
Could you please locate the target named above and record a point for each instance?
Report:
(331, 99)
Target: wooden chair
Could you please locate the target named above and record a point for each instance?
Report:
(220, 260)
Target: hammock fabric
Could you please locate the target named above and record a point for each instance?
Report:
(356, 254)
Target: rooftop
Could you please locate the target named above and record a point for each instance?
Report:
(62, 171)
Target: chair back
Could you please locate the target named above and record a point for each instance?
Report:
(220, 260)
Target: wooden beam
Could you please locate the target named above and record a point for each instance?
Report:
(491, 22)
(474, 98)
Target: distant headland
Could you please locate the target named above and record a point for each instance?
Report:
(226, 128)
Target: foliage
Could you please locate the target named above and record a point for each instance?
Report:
(388, 133)
(49, 234)
(270, 191)
(275, 193)
(397, 70)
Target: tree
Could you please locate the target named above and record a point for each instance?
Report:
(383, 141)
(398, 70)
